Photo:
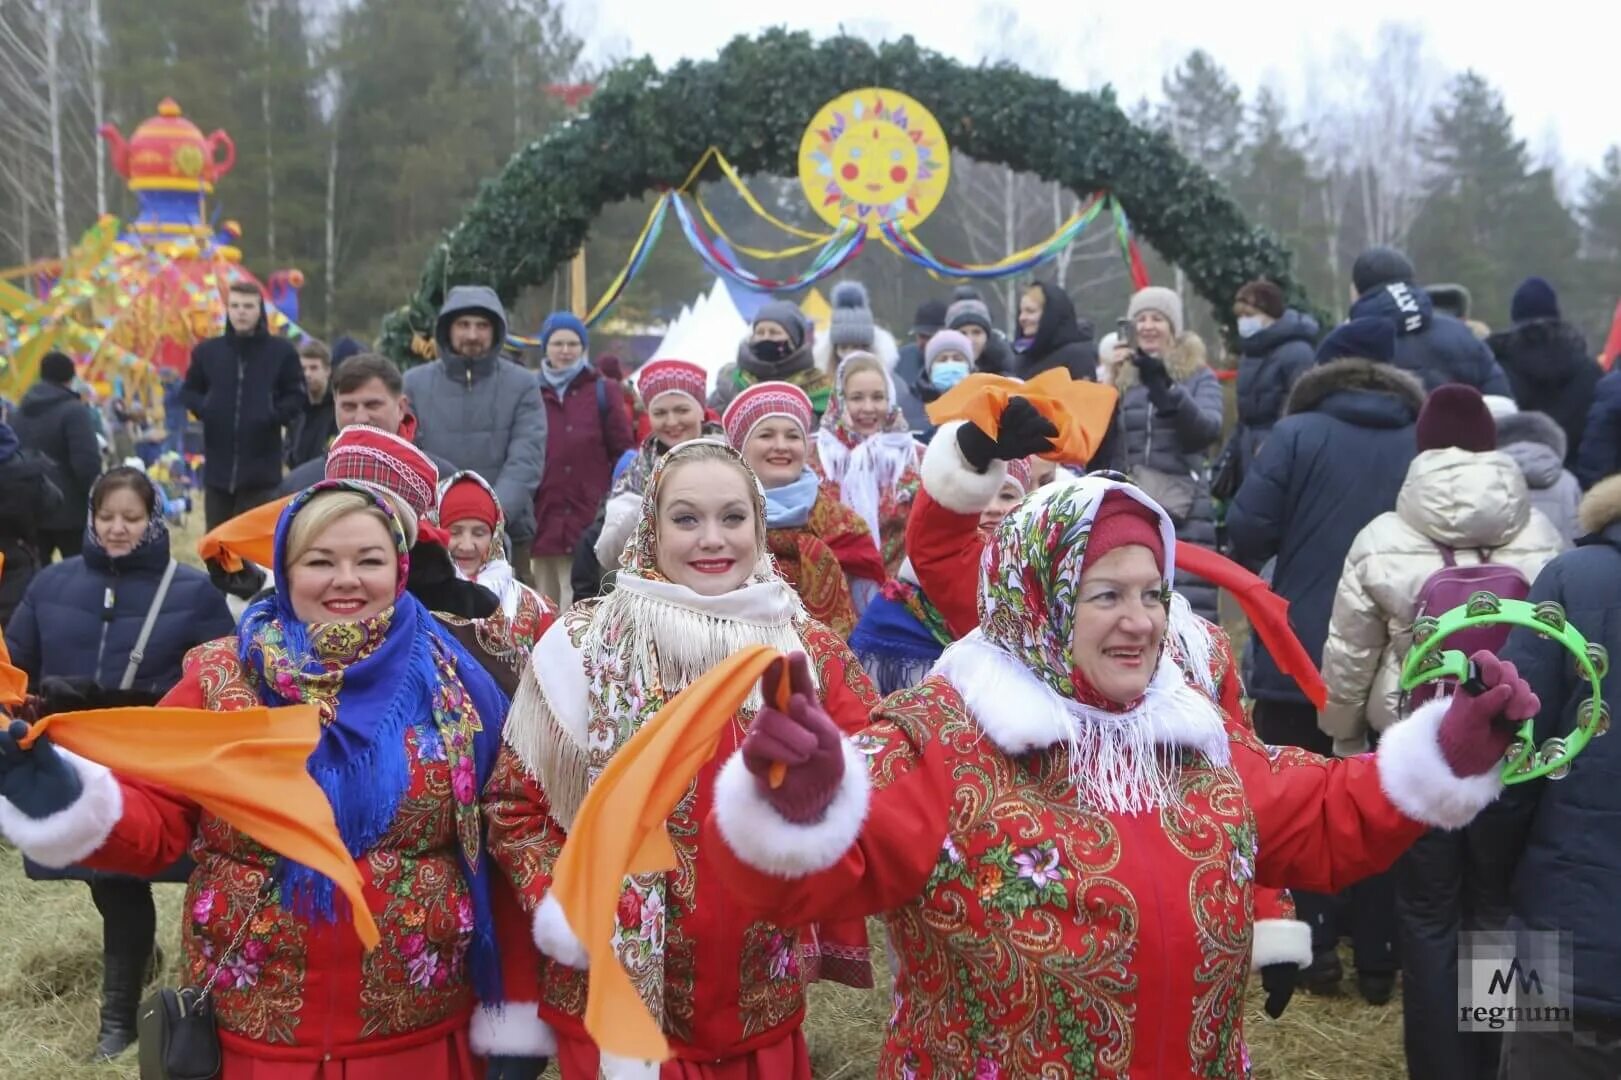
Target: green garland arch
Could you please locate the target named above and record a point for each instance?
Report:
(645, 129)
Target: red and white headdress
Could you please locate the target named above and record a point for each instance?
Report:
(662, 377)
(763, 401)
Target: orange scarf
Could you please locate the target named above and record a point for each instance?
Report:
(250, 536)
(620, 831)
(1081, 410)
(245, 766)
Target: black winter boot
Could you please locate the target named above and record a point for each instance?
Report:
(123, 978)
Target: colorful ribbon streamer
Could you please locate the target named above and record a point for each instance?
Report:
(845, 245)
(901, 240)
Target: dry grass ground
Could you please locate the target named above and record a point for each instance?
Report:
(50, 971)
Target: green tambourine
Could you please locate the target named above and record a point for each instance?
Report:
(1523, 761)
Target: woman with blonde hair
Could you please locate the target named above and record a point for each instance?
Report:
(865, 449)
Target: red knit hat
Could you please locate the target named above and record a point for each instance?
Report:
(1456, 415)
(468, 499)
(672, 377)
(372, 456)
(1121, 520)
(762, 401)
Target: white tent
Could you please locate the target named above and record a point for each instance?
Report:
(708, 333)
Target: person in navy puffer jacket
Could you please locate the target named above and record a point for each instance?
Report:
(1437, 348)
(1279, 344)
(74, 634)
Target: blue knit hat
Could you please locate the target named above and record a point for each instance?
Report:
(1534, 299)
(1367, 338)
(563, 320)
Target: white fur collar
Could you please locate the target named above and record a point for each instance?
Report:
(1111, 754)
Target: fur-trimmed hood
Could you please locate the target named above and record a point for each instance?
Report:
(1532, 427)
(1601, 508)
(1186, 359)
(1318, 384)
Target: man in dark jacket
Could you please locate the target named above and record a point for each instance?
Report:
(928, 321)
(1279, 344)
(1600, 452)
(55, 422)
(245, 386)
(317, 420)
(27, 497)
(1435, 347)
(1336, 461)
(1554, 842)
(1052, 335)
(1547, 362)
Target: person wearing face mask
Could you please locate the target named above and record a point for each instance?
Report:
(902, 632)
(81, 634)
(865, 450)
(674, 393)
(1084, 750)
(1170, 414)
(1278, 345)
(587, 429)
(470, 514)
(778, 349)
(411, 725)
(822, 547)
(946, 363)
(697, 584)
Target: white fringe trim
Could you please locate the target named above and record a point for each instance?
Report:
(1280, 941)
(1114, 758)
(1192, 638)
(951, 482)
(556, 938)
(77, 830)
(1418, 780)
(615, 1067)
(511, 1029)
(765, 840)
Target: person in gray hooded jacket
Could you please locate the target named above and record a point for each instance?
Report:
(1537, 444)
(481, 411)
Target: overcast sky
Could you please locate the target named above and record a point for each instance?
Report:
(1554, 62)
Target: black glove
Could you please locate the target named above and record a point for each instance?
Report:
(503, 1067)
(37, 781)
(59, 694)
(1278, 980)
(1151, 370)
(1023, 431)
(244, 584)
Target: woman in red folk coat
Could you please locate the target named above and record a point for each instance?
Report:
(1063, 826)
(410, 729)
(696, 585)
(822, 547)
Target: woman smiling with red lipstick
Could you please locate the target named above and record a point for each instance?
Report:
(697, 584)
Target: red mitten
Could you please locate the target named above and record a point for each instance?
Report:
(804, 738)
(1476, 731)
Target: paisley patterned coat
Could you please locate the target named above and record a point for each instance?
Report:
(824, 558)
(1039, 938)
(302, 990)
(732, 983)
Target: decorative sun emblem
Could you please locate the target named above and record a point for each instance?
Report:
(874, 155)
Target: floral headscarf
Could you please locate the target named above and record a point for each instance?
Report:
(1031, 572)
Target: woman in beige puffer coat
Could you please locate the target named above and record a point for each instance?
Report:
(1463, 500)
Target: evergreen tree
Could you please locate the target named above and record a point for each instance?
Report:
(1276, 185)
(1204, 114)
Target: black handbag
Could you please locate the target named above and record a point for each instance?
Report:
(1227, 477)
(175, 1028)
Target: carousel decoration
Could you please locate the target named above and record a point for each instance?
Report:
(132, 298)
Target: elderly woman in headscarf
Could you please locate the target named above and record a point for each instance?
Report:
(1064, 826)
(697, 584)
(410, 729)
(866, 451)
(822, 547)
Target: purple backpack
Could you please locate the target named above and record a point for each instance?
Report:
(1452, 586)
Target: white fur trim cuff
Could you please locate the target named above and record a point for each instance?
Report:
(75, 831)
(1280, 941)
(1418, 779)
(951, 482)
(615, 1067)
(767, 841)
(511, 1029)
(556, 938)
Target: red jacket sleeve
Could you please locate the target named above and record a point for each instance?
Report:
(945, 549)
